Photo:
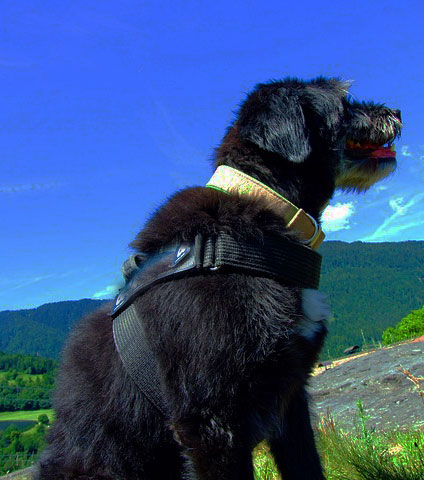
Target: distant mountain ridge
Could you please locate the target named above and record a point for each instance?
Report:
(370, 286)
(42, 330)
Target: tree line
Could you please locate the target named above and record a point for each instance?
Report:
(410, 326)
(26, 382)
(27, 363)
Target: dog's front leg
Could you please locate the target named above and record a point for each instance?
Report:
(213, 450)
(293, 445)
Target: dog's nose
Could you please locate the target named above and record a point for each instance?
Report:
(398, 114)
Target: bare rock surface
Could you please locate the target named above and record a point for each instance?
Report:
(379, 380)
(26, 474)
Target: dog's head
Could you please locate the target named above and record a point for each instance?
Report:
(312, 132)
(368, 154)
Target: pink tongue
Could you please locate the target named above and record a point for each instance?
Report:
(383, 152)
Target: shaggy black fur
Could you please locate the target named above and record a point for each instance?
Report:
(232, 355)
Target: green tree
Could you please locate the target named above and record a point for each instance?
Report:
(43, 419)
(409, 327)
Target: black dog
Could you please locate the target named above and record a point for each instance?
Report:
(233, 348)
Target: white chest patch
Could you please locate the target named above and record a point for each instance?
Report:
(316, 312)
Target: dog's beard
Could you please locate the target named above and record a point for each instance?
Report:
(366, 162)
(361, 174)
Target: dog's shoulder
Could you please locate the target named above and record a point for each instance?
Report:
(206, 211)
(90, 343)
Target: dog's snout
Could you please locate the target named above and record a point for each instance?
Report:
(397, 114)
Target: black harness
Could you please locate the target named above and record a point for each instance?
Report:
(291, 263)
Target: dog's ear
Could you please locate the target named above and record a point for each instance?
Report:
(272, 118)
(323, 104)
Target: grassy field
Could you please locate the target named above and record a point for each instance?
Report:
(20, 448)
(29, 415)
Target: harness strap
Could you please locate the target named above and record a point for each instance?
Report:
(291, 263)
(137, 356)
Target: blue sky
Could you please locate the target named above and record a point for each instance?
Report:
(108, 107)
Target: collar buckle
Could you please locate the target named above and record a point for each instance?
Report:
(310, 241)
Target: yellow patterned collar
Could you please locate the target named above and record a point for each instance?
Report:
(228, 179)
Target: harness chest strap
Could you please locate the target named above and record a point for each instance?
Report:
(289, 262)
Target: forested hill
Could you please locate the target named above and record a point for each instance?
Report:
(370, 286)
(42, 331)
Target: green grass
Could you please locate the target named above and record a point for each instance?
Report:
(265, 468)
(362, 455)
(396, 456)
(29, 415)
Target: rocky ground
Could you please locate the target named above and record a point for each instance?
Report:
(20, 475)
(387, 382)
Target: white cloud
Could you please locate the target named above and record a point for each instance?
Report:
(108, 292)
(395, 229)
(396, 205)
(380, 188)
(390, 227)
(30, 281)
(337, 217)
(29, 187)
(405, 151)
(8, 284)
